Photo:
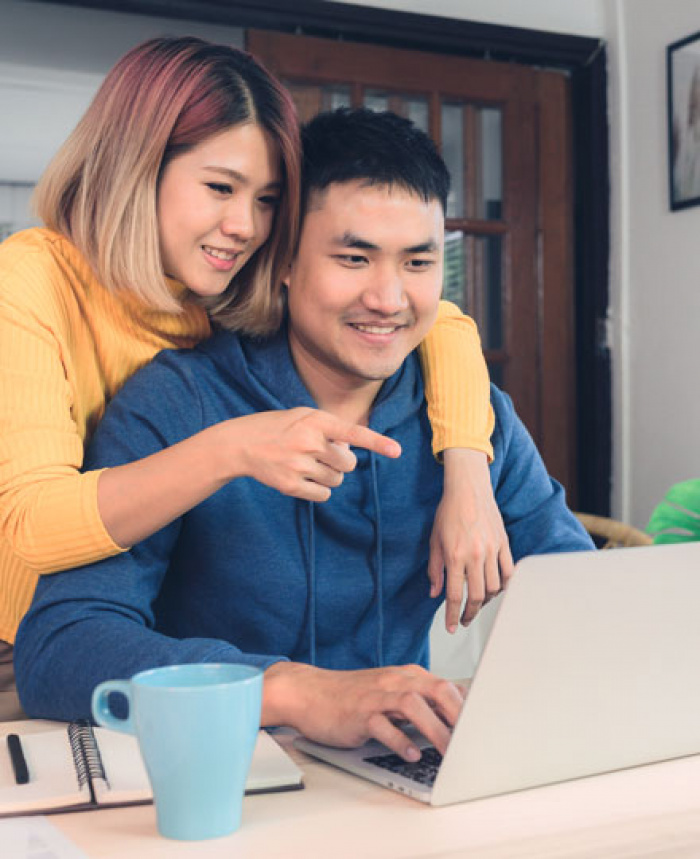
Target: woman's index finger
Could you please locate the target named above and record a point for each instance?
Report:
(360, 436)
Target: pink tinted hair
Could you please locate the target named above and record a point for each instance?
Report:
(160, 100)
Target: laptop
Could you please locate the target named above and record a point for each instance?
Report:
(592, 665)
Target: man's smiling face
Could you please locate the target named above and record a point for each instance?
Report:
(365, 284)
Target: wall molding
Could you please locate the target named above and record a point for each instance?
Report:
(20, 77)
(368, 24)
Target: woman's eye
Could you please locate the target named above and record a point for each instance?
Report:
(269, 200)
(220, 187)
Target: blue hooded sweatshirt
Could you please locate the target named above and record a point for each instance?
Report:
(251, 575)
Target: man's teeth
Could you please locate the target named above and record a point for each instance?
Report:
(375, 329)
(227, 255)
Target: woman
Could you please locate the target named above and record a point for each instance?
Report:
(115, 277)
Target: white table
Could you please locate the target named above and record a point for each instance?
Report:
(651, 811)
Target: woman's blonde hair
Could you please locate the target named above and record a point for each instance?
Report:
(160, 100)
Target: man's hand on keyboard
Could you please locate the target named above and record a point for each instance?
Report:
(347, 708)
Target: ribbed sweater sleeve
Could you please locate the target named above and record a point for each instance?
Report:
(66, 346)
(456, 383)
(48, 509)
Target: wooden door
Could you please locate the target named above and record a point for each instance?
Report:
(503, 130)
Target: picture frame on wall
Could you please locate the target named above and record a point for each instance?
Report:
(683, 81)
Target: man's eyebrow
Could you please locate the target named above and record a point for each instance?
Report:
(239, 177)
(351, 240)
(429, 247)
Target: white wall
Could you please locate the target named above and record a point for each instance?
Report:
(15, 212)
(656, 288)
(52, 59)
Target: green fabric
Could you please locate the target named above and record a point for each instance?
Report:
(677, 518)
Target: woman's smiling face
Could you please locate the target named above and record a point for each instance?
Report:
(216, 205)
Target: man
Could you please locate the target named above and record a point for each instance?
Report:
(340, 589)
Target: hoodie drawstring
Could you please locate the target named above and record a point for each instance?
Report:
(312, 584)
(379, 568)
(378, 571)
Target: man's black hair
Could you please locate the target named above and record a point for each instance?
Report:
(380, 148)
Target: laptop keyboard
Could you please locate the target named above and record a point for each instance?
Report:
(423, 771)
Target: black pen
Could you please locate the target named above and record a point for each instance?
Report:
(19, 762)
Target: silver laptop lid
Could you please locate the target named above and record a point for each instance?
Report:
(593, 664)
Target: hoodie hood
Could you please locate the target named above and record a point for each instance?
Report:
(343, 576)
(263, 370)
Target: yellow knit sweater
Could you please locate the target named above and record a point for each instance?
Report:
(66, 347)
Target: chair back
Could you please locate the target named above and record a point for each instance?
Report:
(611, 534)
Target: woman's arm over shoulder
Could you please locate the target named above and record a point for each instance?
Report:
(48, 510)
(468, 541)
(456, 383)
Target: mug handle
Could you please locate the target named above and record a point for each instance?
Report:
(101, 710)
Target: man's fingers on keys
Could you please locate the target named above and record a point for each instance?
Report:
(381, 728)
(417, 708)
(447, 700)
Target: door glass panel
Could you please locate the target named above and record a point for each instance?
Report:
(417, 112)
(490, 196)
(473, 280)
(452, 120)
(472, 149)
(413, 107)
(489, 289)
(454, 284)
(311, 99)
(375, 100)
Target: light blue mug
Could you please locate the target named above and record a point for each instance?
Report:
(196, 726)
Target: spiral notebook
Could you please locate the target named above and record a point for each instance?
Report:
(78, 767)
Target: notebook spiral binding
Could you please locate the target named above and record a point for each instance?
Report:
(86, 753)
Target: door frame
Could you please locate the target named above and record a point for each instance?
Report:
(584, 59)
(537, 353)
